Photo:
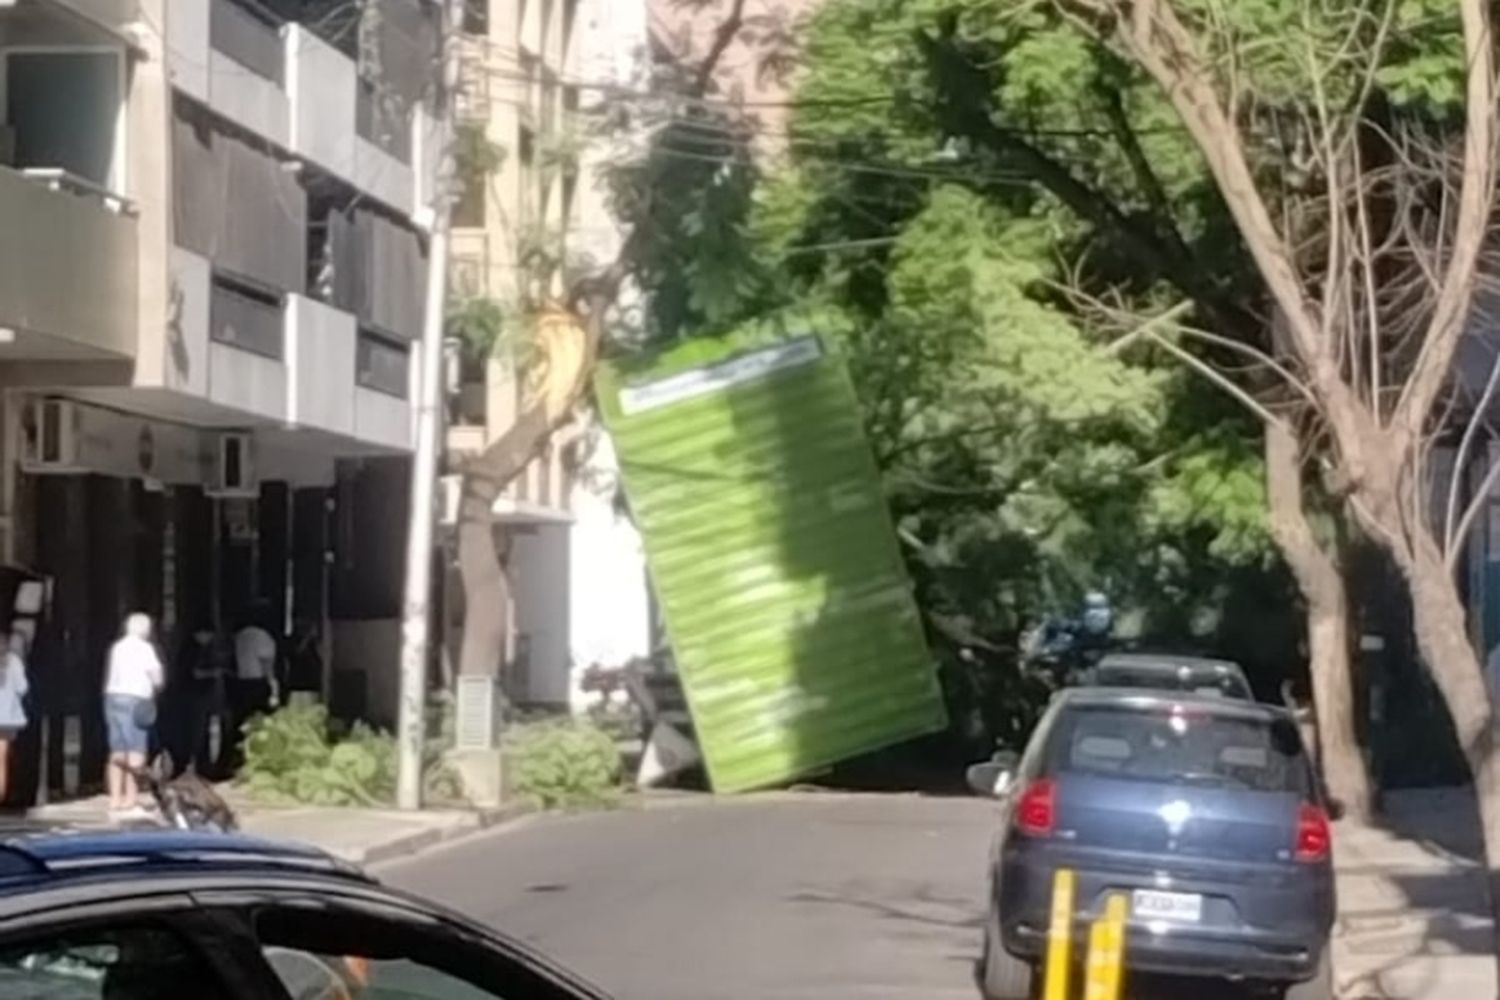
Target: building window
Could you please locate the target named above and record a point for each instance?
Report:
(382, 364)
(569, 192)
(250, 35)
(476, 17)
(64, 111)
(245, 315)
(526, 153)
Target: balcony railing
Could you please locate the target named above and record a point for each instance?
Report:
(250, 36)
(58, 179)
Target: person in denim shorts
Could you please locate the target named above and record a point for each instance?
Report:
(134, 677)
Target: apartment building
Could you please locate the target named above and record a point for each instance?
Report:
(529, 210)
(211, 276)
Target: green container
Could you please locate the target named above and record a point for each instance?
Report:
(773, 556)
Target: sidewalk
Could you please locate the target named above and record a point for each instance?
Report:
(362, 836)
(1413, 923)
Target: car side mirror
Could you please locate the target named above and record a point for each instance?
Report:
(989, 779)
(993, 777)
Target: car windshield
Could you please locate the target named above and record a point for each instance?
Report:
(1178, 744)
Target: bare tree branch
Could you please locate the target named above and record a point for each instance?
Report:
(1476, 197)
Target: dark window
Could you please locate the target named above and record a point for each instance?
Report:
(526, 152)
(62, 109)
(382, 363)
(468, 207)
(569, 192)
(477, 17)
(99, 963)
(245, 316)
(1180, 745)
(249, 35)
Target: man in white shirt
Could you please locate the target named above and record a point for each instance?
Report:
(255, 685)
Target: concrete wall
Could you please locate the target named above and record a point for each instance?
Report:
(186, 347)
(321, 84)
(320, 353)
(384, 176)
(248, 100)
(247, 382)
(187, 48)
(382, 419)
(67, 268)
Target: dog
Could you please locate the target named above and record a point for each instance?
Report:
(185, 802)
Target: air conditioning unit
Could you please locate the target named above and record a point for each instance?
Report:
(233, 473)
(49, 437)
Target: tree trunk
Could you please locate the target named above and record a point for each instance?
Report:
(486, 585)
(1439, 620)
(486, 592)
(1320, 579)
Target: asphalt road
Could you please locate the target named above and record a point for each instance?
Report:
(814, 897)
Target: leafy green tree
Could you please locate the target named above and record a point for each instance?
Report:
(1055, 128)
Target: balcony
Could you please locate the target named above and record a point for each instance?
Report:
(231, 56)
(68, 259)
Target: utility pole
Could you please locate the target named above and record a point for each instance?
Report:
(416, 602)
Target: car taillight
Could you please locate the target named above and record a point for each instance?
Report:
(1036, 809)
(1313, 834)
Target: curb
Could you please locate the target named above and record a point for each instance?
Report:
(476, 822)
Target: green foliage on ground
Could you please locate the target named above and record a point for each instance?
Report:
(563, 764)
(297, 754)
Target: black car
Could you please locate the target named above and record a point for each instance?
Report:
(1172, 672)
(167, 914)
(1202, 811)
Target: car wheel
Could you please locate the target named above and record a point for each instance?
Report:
(1002, 976)
(1319, 987)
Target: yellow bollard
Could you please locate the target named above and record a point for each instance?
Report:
(1059, 936)
(1104, 970)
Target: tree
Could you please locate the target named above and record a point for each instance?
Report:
(880, 138)
(1372, 266)
(666, 208)
(1014, 101)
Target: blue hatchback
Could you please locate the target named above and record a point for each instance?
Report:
(1202, 811)
(165, 914)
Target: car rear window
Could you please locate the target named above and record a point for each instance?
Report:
(1178, 745)
(1198, 680)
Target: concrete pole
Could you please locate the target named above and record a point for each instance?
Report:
(416, 604)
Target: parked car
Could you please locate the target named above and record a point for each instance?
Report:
(1202, 810)
(1172, 672)
(166, 914)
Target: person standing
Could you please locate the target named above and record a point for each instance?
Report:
(205, 666)
(13, 688)
(131, 682)
(255, 687)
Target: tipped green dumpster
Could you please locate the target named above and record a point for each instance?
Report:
(773, 556)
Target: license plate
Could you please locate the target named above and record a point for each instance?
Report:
(1152, 904)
